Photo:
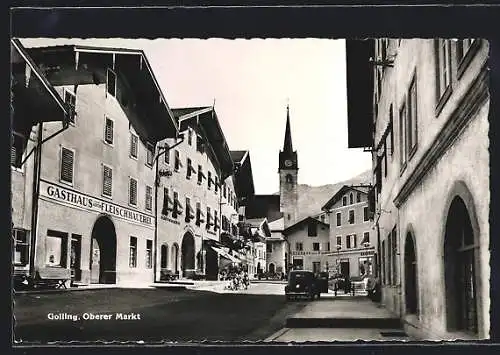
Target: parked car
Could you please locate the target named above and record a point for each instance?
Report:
(323, 278)
(302, 284)
(358, 283)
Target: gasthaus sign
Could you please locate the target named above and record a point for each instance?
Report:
(62, 195)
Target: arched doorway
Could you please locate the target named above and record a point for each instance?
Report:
(175, 258)
(411, 290)
(187, 254)
(103, 252)
(272, 268)
(460, 257)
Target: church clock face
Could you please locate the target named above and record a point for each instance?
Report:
(288, 163)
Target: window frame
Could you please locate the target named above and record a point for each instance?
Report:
(73, 151)
(337, 239)
(136, 137)
(104, 167)
(353, 217)
(67, 92)
(403, 112)
(64, 248)
(442, 93)
(130, 178)
(132, 255)
(339, 219)
(467, 56)
(149, 254)
(150, 152)
(108, 71)
(314, 246)
(25, 245)
(412, 117)
(18, 157)
(105, 138)
(150, 200)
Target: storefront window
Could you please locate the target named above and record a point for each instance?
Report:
(365, 266)
(55, 249)
(20, 237)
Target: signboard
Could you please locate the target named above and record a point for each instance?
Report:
(78, 200)
(366, 253)
(297, 252)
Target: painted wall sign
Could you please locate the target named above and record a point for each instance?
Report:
(78, 200)
(171, 220)
(296, 252)
(365, 253)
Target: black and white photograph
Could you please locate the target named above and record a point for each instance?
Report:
(250, 190)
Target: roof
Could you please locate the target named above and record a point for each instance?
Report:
(77, 64)
(277, 225)
(206, 118)
(338, 195)
(359, 72)
(300, 223)
(243, 175)
(33, 93)
(264, 206)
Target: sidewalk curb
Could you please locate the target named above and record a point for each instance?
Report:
(345, 322)
(277, 334)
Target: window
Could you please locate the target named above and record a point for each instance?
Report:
(178, 210)
(209, 218)
(134, 143)
(315, 246)
(339, 241)
(327, 246)
(412, 116)
(199, 144)
(111, 82)
(149, 253)
(132, 192)
(199, 214)
(150, 154)
(365, 214)
(17, 149)
(224, 192)
(289, 216)
(70, 100)
(358, 197)
(366, 238)
(132, 261)
(443, 68)
(177, 163)
(167, 153)
(201, 176)
(167, 202)
(384, 157)
(463, 47)
(216, 184)
(21, 246)
(312, 229)
(107, 181)
(389, 259)
(209, 180)
(351, 199)
(289, 179)
(354, 241)
(67, 165)
(190, 136)
(339, 219)
(391, 132)
(344, 201)
(108, 130)
(298, 246)
(56, 244)
(402, 136)
(269, 247)
(351, 217)
(189, 169)
(216, 220)
(164, 256)
(348, 241)
(189, 211)
(149, 198)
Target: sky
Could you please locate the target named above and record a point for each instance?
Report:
(251, 82)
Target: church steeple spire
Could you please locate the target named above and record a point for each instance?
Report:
(287, 144)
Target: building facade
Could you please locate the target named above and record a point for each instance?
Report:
(430, 107)
(94, 197)
(197, 200)
(277, 249)
(351, 232)
(309, 244)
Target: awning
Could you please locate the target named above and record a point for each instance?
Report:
(226, 255)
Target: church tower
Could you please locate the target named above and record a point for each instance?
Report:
(288, 172)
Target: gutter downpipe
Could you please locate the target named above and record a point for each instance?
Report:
(36, 190)
(157, 182)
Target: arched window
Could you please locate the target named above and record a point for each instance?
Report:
(460, 256)
(351, 199)
(289, 179)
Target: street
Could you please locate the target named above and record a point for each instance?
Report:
(153, 315)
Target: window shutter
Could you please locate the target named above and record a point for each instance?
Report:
(133, 145)
(108, 134)
(133, 192)
(149, 198)
(67, 158)
(165, 208)
(107, 181)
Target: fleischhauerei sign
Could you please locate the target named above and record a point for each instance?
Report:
(79, 200)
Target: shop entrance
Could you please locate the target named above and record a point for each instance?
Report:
(410, 276)
(103, 252)
(211, 264)
(344, 269)
(76, 250)
(187, 255)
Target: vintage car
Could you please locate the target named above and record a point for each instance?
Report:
(302, 284)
